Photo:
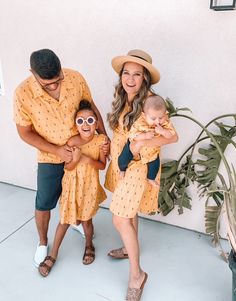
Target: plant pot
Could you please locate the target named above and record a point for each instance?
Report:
(232, 265)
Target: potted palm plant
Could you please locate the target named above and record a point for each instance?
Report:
(218, 189)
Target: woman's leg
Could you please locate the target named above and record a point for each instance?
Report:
(89, 252)
(128, 231)
(135, 223)
(122, 252)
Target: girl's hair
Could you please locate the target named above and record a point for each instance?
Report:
(85, 105)
(136, 105)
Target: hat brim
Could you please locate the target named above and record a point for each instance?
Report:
(119, 61)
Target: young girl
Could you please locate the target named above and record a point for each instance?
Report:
(81, 190)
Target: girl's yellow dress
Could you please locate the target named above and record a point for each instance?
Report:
(133, 193)
(81, 189)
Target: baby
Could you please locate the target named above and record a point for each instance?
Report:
(153, 121)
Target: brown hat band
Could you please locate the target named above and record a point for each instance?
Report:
(139, 57)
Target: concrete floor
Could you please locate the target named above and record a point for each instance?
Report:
(181, 264)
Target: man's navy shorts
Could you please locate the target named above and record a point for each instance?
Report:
(48, 185)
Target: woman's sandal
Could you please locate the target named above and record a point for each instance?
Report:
(89, 255)
(118, 254)
(44, 269)
(134, 294)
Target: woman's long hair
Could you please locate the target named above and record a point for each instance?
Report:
(136, 105)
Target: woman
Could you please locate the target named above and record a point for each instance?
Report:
(133, 193)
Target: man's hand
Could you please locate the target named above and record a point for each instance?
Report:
(65, 153)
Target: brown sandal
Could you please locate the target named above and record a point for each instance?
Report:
(89, 255)
(118, 254)
(134, 294)
(44, 269)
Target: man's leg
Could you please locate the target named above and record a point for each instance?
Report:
(48, 191)
(42, 222)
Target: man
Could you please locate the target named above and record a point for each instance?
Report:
(44, 108)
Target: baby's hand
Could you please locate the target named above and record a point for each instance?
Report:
(159, 129)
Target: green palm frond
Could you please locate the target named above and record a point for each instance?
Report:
(172, 110)
(174, 183)
(166, 199)
(212, 217)
(177, 175)
(230, 205)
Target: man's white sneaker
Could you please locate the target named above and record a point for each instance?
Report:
(40, 254)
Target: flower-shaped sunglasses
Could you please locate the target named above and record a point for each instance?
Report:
(90, 120)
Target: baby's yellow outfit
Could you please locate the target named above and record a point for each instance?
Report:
(148, 154)
(81, 189)
(133, 193)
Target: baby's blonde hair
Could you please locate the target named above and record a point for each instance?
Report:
(155, 102)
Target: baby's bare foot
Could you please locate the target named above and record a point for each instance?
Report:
(122, 175)
(154, 183)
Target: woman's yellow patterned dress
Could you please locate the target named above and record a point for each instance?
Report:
(133, 193)
(81, 190)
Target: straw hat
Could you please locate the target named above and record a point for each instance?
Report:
(139, 57)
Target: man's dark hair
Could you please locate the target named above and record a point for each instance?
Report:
(45, 63)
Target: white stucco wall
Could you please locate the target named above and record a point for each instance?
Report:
(192, 46)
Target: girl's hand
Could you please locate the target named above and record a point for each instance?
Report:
(76, 152)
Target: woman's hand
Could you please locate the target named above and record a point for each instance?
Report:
(135, 147)
(149, 135)
(105, 147)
